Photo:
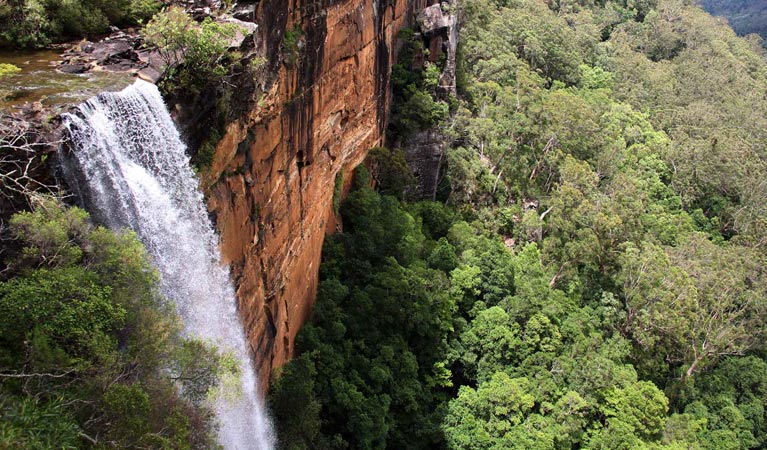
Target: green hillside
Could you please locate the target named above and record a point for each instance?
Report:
(593, 274)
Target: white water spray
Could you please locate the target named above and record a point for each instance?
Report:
(135, 173)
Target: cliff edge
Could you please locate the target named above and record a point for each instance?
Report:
(271, 182)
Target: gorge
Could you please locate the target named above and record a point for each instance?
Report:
(385, 224)
(271, 182)
(320, 112)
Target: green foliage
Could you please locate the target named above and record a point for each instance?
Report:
(207, 149)
(195, 54)
(596, 279)
(490, 342)
(419, 112)
(370, 359)
(31, 424)
(64, 309)
(37, 23)
(338, 186)
(26, 24)
(50, 235)
(415, 106)
(140, 11)
(487, 417)
(293, 402)
(390, 171)
(695, 309)
(442, 256)
(90, 352)
(640, 407)
(8, 69)
(198, 368)
(290, 44)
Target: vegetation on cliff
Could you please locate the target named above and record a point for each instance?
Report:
(91, 354)
(195, 55)
(204, 69)
(594, 274)
(414, 80)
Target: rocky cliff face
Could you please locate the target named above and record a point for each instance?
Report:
(425, 149)
(270, 185)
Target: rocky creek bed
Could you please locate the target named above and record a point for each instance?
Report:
(73, 72)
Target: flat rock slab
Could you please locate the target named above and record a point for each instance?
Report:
(150, 74)
(115, 53)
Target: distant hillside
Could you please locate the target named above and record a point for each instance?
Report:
(745, 16)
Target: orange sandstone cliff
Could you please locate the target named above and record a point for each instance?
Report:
(271, 182)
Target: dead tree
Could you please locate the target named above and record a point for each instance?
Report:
(25, 171)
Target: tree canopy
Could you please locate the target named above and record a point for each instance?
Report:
(593, 274)
(91, 354)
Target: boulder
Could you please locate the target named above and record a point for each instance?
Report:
(432, 21)
(87, 47)
(246, 13)
(150, 74)
(114, 52)
(73, 68)
(244, 31)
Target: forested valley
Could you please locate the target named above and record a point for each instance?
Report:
(591, 274)
(745, 16)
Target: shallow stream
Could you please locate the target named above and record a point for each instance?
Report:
(39, 81)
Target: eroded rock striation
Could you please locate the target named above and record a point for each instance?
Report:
(270, 185)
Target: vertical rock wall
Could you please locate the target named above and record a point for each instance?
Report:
(425, 149)
(271, 183)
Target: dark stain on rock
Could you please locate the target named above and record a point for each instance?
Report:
(273, 20)
(382, 69)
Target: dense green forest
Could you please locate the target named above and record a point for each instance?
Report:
(91, 354)
(745, 16)
(37, 23)
(593, 273)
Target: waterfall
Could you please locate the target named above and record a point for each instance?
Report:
(133, 172)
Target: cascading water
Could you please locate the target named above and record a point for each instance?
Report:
(134, 172)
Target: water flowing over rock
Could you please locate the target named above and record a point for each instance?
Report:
(131, 169)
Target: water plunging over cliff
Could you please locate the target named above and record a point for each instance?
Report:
(134, 173)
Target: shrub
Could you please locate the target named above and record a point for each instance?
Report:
(5, 71)
(85, 332)
(25, 24)
(390, 170)
(142, 10)
(8, 69)
(290, 44)
(194, 53)
(37, 23)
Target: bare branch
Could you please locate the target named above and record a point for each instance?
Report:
(36, 374)
(23, 152)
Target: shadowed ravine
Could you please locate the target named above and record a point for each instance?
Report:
(132, 170)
